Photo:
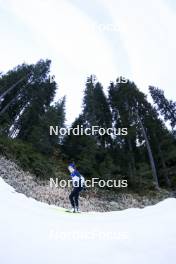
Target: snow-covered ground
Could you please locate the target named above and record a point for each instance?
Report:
(32, 232)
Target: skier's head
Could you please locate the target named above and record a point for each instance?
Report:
(71, 167)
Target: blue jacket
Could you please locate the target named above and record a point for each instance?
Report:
(75, 173)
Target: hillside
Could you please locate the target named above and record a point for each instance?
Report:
(91, 200)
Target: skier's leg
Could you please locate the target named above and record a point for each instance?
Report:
(71, 198)
(77, 199)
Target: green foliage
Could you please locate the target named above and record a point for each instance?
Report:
(25, 108)
(145, 156)
(167, 108)
(96, 110)
(29, 158)
(141, 156)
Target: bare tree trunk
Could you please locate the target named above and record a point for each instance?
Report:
(132, 165)
(11, 88)
(7, 106)
(166, 177)
(132, 162)
(130, 172)
(152, 163)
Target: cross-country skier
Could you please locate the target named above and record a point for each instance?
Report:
(78, 182)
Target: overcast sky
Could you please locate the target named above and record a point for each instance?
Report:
(108, 38)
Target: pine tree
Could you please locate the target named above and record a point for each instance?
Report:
(131, 110)
(40, 136)
(96, 110)
(13, 95)
(26, 109)
(39, 95)
(82, 149)
(166, 107)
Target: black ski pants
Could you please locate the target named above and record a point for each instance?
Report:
(74, 196)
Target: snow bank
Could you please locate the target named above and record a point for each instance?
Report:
(32, 232)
